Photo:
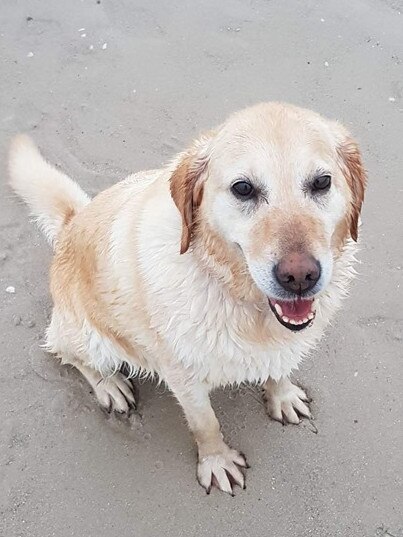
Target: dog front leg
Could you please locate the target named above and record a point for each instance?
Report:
(218, 464)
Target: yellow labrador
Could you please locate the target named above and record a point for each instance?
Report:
(224, 267)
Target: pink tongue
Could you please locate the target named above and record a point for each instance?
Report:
(297, 309)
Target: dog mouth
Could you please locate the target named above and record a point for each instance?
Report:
(294, 314)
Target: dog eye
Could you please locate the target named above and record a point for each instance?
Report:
(321, 183)
(243, 190)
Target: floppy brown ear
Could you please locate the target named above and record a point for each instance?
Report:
(353, 170)
(187, 191)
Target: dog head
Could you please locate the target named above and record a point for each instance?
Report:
(282, 187)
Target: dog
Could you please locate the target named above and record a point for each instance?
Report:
(223, 267)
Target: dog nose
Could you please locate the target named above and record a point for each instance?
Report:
(297, 272)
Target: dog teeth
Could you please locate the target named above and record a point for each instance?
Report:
(297, 322)
(278, 309)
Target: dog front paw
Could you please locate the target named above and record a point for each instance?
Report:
(222, 470)
(286, 402)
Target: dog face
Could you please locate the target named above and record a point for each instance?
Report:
(284, 187)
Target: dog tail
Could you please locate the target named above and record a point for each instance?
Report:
(52, 197)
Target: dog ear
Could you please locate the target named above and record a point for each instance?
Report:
(350, 162)
(187, 182)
